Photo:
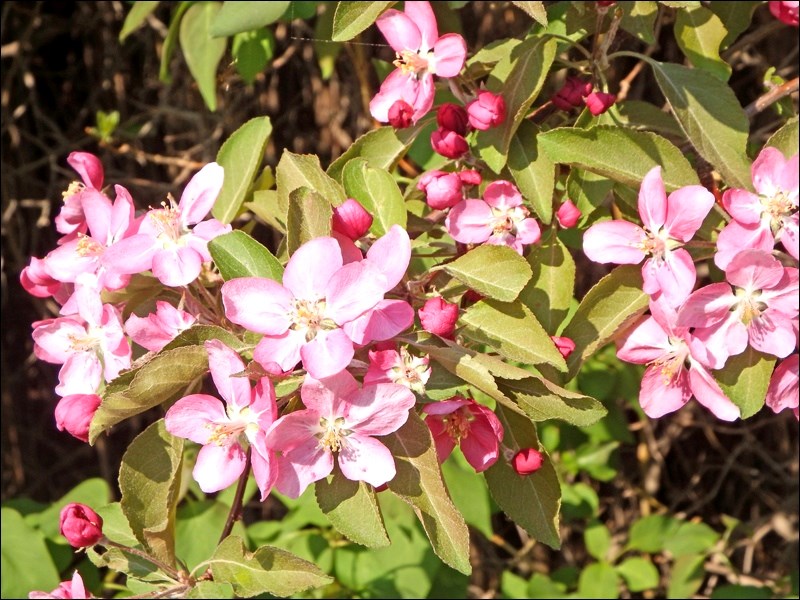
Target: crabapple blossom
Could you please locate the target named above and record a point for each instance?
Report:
(784, 387)
(351, 219)
(449, 143)
(564, 345)
(442, 190)
(668, 222)
(73, 588)
(225, 430)
(599, 102)
(527, 461)
(439, 317)
(80, 525)
(390, 366)
(786, 11)
(71, 219)
(470, 177)
(340, 420)
(486, 111)
(568, 214)
(464, 422)
(158, 328)
(421, 54)
(74, 414)
(452, 117)
(401, 114)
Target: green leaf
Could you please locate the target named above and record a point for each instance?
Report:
(252, 52)
(711, 116)
(163, 379)
(543, 400)
(532, 170)
(612, 305)
(532, 501)
(198, 527)
(268, 569)
(352, 18)
(419, 483)
(735, 16)
(149, 482)
(639, 573)
(25, 560)
(644, 115)
(201, 51)
(699, 33)
(598, 580)
(531, 62)
(170, 42)
(535, 10)
(352, 509)
(786, 139)
(639, 19)
(135, 19)
(750, 592)
(309, 217)
(303, 170)
(197, 335)
(240, 157)
(377, 192)
(597, 538)
(512, 330)
(236, 254)
(211, 589)
(745, 380)
(619, 154)
(326, 50)
(587, 190)
(549, 292)
(649, 533)
(469, 493)
(494, 271)
(687, 576)
(235, 17)
(691, 538)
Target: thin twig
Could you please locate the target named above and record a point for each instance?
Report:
(772, 96)
(236, 507)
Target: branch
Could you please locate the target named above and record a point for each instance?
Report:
(772, 96)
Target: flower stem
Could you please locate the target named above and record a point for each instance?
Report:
(236, 507)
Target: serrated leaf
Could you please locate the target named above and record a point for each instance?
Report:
(494, 271)
(376, 190)
(211, 589)
(197, 335)
(309, 217)
(535, 10)
(691, 538)
(201, 51)
(745, 379)
(639, 573)
(352, 509)
(639, 19)
(531, 501)
(23, 548)
(533, 171)
(549, 292)
(136, 17)
(163, 379)
(351, 18)
(236, 254)
(622, 155)
(543, 400)
(464, 364)
(699, 33)
(268, 569)
(512, 330)
(786, 139)
(149, 482)
(303, 170)
(240, 157)
(419, 483)
(605, 311)
(637, 114)
(587, 190)
(235, 17)
(711, 116)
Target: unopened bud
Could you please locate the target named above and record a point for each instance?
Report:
(568, 214)
(453, 118)
(442, 190)
(527, 461)
(599, 102)
(400, 114)
(351, 219)
(449, 143)
(564, 345)
(439, 317)
(81, 525)
(74, 414)
(486, 111)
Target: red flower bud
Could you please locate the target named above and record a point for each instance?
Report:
(351, 219)
(470, 177)
(448, 143)
(786, 12)
(600, 102)
(568, 214)
(564, 345)
(439, 317)
(453, 118)
(81, 525)
(74, 414)
(486, 111)
(527, 461)
(400, 114)
(572, 93)
(442, 190)
(605, 3)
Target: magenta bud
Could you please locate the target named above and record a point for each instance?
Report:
(442, 190)
(400, 114)
(74, 414)
(448, 143)
(571, 93)
(599, 102)
(527, 461)
(486, 111)
(81, 525)
(470, 177)
(564, 345)
(439, 317)
(568, 214)
(786, 12)
(453, 118)
(351, 219)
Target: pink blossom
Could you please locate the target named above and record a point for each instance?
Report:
(568, 214)
(599, 102)
(439, 317)
(668, 222)
(784, 385)
(677, 366)
(80, 525)
(449, 143)
(401, 114)
(224, 430)
(351, 219)
(36, 281)
(527, 461)
(71, 220)
(766, 217)
(452, 117)
(74, 414)
(340, 419)
(74, 588)
(757, 304)
(571, 93)
(158, 329)
(421, 54)
(390, 366)
(470, 177)
(486, 111)
(442, 190)
(464, 422)
(786, 11)
(564, 345)
(499, 219)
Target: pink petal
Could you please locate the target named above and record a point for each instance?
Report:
(783, 296)
(528, 231)
(661, 394)
(311, 267)
(450, 53)
(445, 407)
(265, 468)
(386, 320)
(674, 276)
(423, 96)
(686, 209)
(400, 31)
(132, 255)
(769, 172)
(176, 268)
(218, 467)
(65, 263)
(708, 393)
(97, 208)
(88, 167)
(397, 86)
(327, 354)
(391, 253)
(379, 409)
(469, 222)
(442, 440)
(200, 193)
(293, 430)
(480, 446)
(617, 242)
(421, 15)
(123, 219)
(353, 289)
(502, 194)
(301, 466)
(745, 207)
(789, 236)
(707, 306)
(363, 458)
(223, 364)
(784, 385)
(283, 349)
(80, 374)
(736, 237)
(329, 396)
(712, 346)
(653, 200)
(192, 417)
(754, 270)
(645, 343)
(258, 304)
(772, 333)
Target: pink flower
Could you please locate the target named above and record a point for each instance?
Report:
(677, 366)
(74, 588)
(758, 304)
(486, 111)
(74, 414)
(527, 461)
(471, 425)
(564, 345)
(449, 143)
(784, 385)
(80, 525)
(421, 54)
(786, 12)
(442, 190)
(568, 214)
(403, 368)
(173, 241)
(351, 219)
(571, 93)
(498, 219)
(453, 118)
(599, 102)
(71, 220)
(439, 317)
(769, 216)
(37, 282)
(222, 429)
(401, 114)
(668, 222)
(158, 329)
(340, 419)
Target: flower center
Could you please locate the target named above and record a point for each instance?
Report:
(76, 187)
(750, 306)
(672, 362)
(457, 424)
(505, 221)
(333, 433)
(223, 434)
(414, 63)
(778, 207)
(87, 342)
(309, 316)
(655, 245)
(411, 371)
(87, 246)
(168, 222)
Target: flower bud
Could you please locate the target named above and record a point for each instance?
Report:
(453, 118)
(442, 190)
(439, 317)
(572, 93)
(448, 143)
(81, 525)
(486, 111)
(400, 114)
(786, 12)
(351, 219)
(568, 214)
(527, 461)
(599, 102)
(564, 345)
(470, 177)
(74, 414)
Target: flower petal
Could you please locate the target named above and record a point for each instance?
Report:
(329, 396)
(391, 253)
(400, 30)
(192, 417)
(283, 349)
(450, 53)
(379, 409)
(177, 267)
(653, 200)
(327, 354)
(470, 222)
(363, 458)
(707, 306)
(618, 242)
(352, 290)
(660, 394)
(311, 266)
(200, 193)
(708, 393)
(421, 14)
(258, 304)
(686, 209)
(386, 320)
(745, 207)
(223, 362)
(301, 466)
(218, 467)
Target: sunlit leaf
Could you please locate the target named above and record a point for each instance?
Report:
(236, 254)
(494, 271)
(352, 18)
(202, 51)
